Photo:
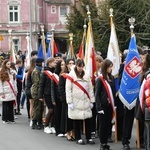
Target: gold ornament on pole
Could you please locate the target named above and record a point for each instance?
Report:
(71, 46)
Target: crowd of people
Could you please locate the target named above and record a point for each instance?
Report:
(61, 91)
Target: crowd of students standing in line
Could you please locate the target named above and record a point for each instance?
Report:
(67, 91)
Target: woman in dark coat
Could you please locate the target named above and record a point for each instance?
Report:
(66, 123)
(55, 95)
(45, 92)
(104, 95)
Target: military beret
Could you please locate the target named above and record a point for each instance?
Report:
(57, 55)
(39, 60)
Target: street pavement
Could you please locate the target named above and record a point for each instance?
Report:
(20, 136)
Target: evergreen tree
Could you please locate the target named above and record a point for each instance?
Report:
(75, 22)
(123, 10)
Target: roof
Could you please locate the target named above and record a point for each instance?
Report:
(58, 1)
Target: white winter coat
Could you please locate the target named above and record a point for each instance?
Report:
(6, 90)
(79, 99)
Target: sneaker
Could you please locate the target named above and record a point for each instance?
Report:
(60, 135)
(47, 130)
(5, 122)
(31, 122)
(90, 141)
(15, 117)
(53, 130)
(80, 142)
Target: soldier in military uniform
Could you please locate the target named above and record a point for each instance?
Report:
(38, 105)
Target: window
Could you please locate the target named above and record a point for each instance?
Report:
(63, 11)
(13, 13)
(16, 44)
(53, 9)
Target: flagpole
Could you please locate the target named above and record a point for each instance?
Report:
(131, 22)
(84, 37)
(28, 57)
(116, 134)
(43, 42)
(52, 42)
(71, 47)
(10, 39)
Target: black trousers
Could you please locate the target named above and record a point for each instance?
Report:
(105, 124)
(8, 111)
(78, 124)
(93, 119)
(28, 106)
(19, 96)
(127, 125)
(57, 117)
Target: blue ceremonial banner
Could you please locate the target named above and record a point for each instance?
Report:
(130, 85)
(40, 51)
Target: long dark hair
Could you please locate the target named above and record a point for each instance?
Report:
(106, 64)
(32, 65)
(58, 67)
(146, 66)
(4, 76)
(79, 63)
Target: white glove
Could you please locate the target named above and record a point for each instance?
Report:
(101, 112)
(71, 106)
(91, 105)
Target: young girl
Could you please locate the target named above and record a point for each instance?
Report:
(80, 99)
(104, 95)
(8, 91)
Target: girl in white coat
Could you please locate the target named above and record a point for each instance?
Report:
(80, 99)
(8, 91)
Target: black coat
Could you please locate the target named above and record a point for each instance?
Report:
(61, 88)
(45, 84)
(101, 94)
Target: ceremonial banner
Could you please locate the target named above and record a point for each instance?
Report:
(90, 61)
(82, 46)
(54, 49)
(27, 62)
(12, 50)
(40, 52)
(130, 85)
(113, 54)
(49, 52)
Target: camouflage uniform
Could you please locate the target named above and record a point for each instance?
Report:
(38, 105)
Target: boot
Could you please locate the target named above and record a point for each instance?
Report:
(34, 124)
(39, 125)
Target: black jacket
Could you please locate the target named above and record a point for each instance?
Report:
(45, 84)
(61, 88)
(28, 84)
(101, 94)
(55, 92)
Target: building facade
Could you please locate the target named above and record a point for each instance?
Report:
(19, 17)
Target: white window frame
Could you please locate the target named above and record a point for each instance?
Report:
(60, 11)
(53, 9)
(14, 4)
(18, 44)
